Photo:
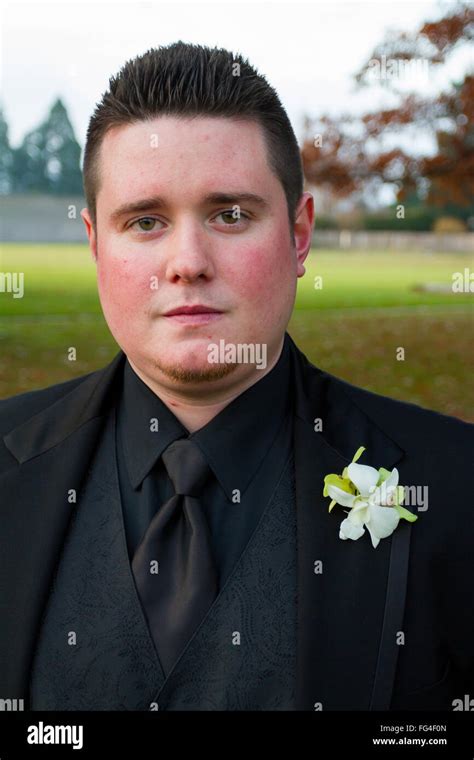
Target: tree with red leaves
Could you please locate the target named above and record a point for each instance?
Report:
(349, 155)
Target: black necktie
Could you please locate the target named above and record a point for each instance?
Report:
(173, 566)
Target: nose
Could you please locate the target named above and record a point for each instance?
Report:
(189, 255)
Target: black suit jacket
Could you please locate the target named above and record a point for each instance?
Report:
(377, 629)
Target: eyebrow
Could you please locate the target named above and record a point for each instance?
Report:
(156, 201)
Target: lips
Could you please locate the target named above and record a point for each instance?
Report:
(196, 309)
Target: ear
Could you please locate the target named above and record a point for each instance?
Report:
(303, 230)
(91, 233)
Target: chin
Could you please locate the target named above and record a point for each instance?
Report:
(184, 364)
(189, 354)
(192, 373)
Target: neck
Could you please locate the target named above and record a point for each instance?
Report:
(196, 411)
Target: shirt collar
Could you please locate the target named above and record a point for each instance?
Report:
(234, 442)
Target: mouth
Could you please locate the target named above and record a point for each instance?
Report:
(198, 314)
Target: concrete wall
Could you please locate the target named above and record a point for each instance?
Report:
(417, 241)
(41, 219)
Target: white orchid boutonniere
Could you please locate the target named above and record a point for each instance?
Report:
(374, 497)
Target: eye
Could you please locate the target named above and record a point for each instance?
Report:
(146, 223)
(231, 218)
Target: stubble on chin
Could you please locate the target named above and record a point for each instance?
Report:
(181, 374)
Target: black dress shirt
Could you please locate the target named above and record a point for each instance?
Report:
(246, 446)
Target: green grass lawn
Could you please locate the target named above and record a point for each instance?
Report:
(367, 308)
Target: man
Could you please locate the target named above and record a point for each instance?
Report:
(166, 543)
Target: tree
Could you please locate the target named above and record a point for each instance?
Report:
(6, 157)
(354, 154)
(48, 159)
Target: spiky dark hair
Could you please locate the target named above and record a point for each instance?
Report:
(191, 80)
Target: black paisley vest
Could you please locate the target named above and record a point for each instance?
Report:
(94, 649)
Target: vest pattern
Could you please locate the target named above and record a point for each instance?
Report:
(95, 651)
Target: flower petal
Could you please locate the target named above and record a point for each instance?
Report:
(392, 479)
(364, 477)
(373, 538)
(342, 497)
(382, 523)
(335, 480)
(359, 513)
(382, 495)
(400, 495)
(383, 475)
(387, 491)
(405, 514)
(358, 453)
(349, 530)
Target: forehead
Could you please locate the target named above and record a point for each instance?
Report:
(189, 151)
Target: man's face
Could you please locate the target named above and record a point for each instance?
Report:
(190, 247)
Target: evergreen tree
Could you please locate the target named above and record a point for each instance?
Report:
(48, 159)
(6, 157)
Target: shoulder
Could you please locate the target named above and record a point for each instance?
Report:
(17, 409)
(410, 425)
(414, 428)
(406, 418)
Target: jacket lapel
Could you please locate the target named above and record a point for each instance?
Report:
(53, 450)
(350, 595)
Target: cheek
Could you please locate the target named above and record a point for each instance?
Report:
(264, 274)
(123, 286)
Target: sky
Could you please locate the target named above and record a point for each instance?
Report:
(307, 51)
